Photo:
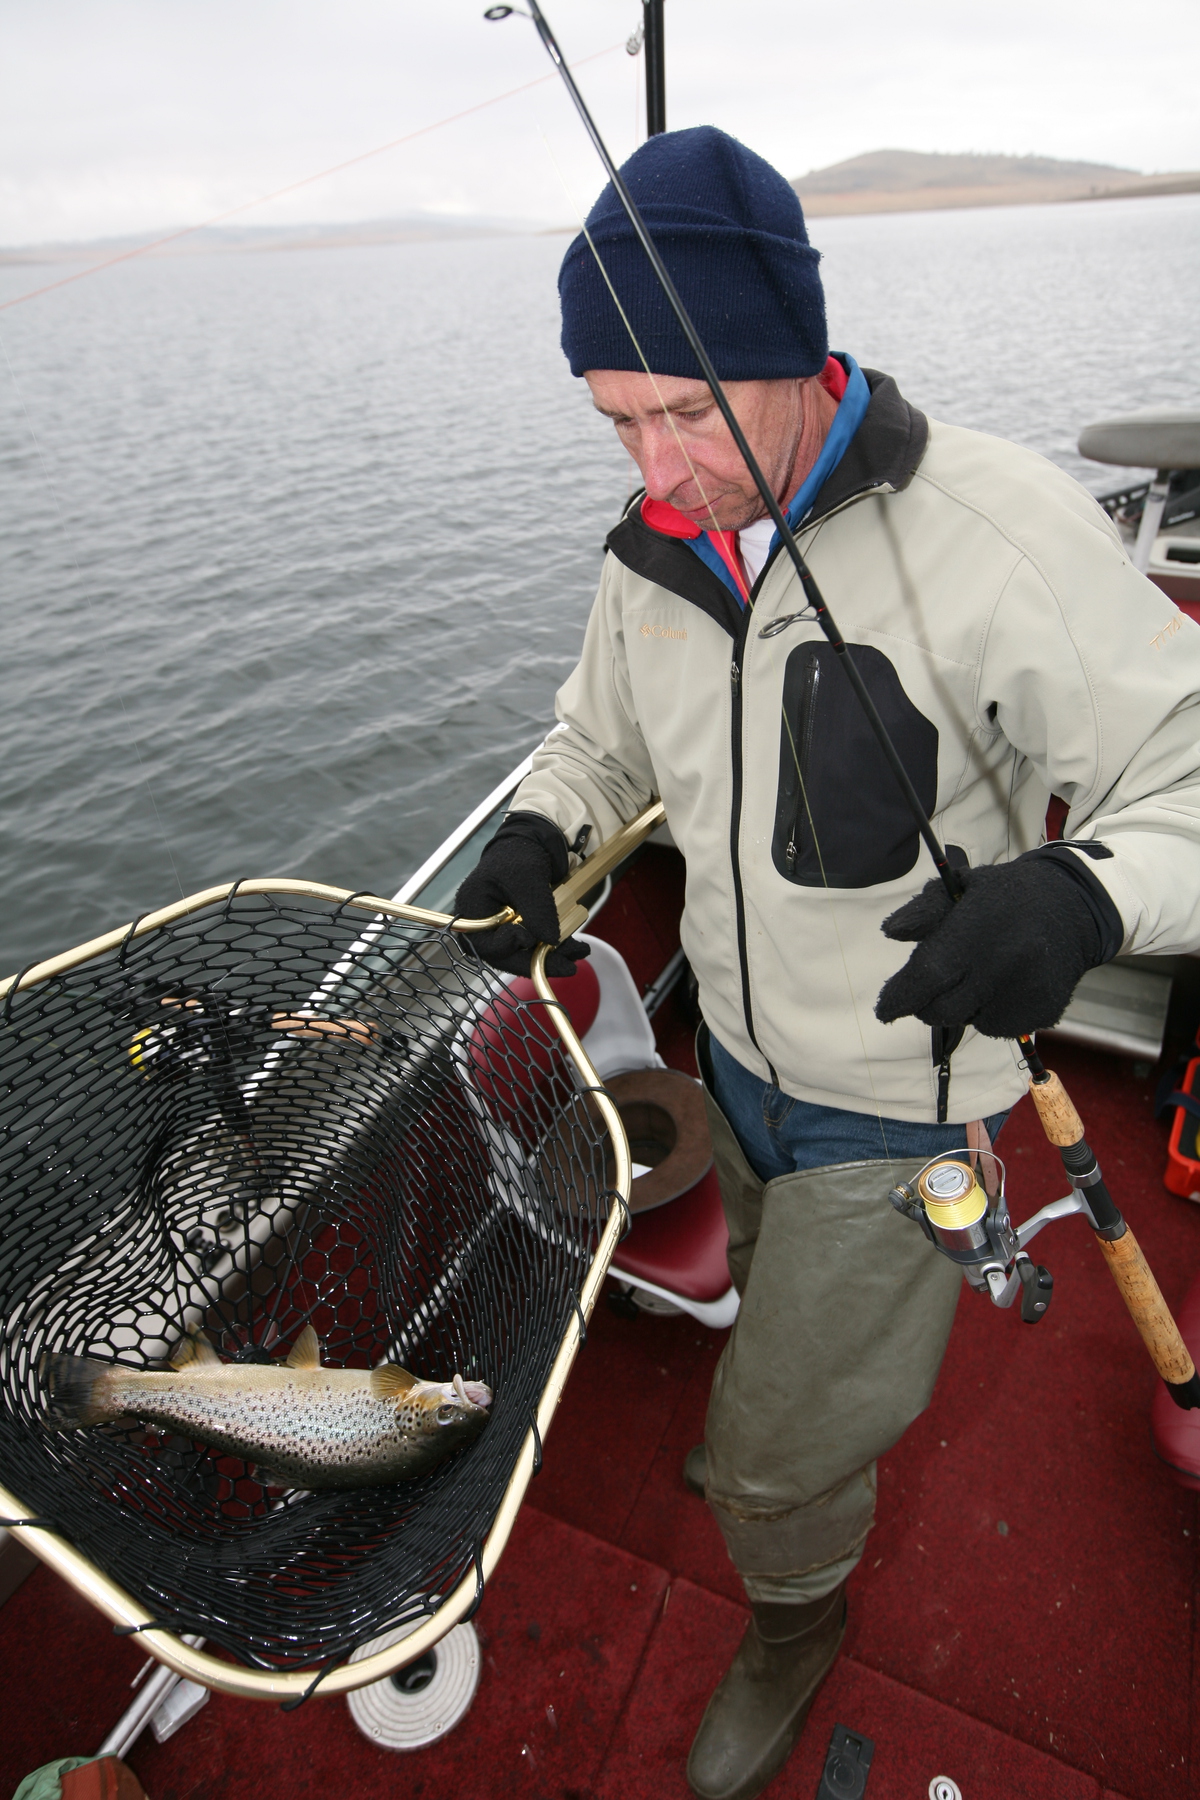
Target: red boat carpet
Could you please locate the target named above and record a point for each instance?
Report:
(915, 1738)
(1023, 1622)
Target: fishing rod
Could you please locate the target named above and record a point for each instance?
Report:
(949, 1200)
(656, 67)
(812, 593)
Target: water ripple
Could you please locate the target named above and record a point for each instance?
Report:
(319, 532)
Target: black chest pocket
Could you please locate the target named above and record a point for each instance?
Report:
(841, 818)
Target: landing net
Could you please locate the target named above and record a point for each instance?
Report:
(271, 1112)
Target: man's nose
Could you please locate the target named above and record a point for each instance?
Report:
(664, 465)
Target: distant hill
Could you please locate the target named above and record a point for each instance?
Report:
(204, 239)
(917, 180)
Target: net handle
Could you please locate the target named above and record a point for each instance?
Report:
(571, 914)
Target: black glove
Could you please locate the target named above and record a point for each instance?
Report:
(520, 868)
(1007, 956)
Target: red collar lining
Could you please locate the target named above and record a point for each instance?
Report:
(662, 517)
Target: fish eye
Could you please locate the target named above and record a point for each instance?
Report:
(445, 1413)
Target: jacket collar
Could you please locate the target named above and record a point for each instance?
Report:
(882, 457)
(883, 453)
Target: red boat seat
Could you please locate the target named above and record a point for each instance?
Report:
(512, 1047)
(1177, 1433)
(681, 1246)
(579, 993)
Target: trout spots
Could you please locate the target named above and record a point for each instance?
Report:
(302, 1424)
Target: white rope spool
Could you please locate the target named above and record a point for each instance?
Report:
(420, 1704)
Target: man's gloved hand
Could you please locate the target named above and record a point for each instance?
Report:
(1007, 956)
(520, 868)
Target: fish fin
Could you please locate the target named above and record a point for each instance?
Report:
(74, 1391)
(194, 1350)
(272, 1477)
(389, 1381)
(305, 1353)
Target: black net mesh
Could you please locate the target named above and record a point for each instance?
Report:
(272, 1112)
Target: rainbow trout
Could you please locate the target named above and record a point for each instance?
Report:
(303, 1425)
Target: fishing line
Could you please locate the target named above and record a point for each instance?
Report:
(292, 187)
(750, 606)
(634, 473)
(641, 353)
(947, 875)
(951, 880)
(633, 337)
(88, 602)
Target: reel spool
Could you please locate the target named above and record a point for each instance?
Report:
(950, 1202)
(956, 1206)
(421, 1702)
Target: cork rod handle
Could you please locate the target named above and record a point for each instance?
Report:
(1147, 1308)
(1123, 1254)
(1060, 1122)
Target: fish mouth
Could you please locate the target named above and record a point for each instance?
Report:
(472, 1393)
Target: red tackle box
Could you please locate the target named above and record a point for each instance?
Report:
(1182, 1174)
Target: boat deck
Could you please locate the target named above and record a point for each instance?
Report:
(1023, 1621)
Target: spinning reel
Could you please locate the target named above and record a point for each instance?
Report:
(966, 1217)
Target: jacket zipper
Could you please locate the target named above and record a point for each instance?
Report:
(805, 724)
(945, 1041)
(735, 680)
(735, 822)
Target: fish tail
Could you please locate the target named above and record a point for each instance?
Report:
(75, 1390)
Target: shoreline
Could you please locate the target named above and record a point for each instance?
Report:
(861, 204)
(930, 199)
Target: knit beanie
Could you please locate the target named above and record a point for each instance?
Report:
(731, 232)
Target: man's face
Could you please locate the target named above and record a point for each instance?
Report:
(672, 428)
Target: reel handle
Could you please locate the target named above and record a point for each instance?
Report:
(1121, 1251)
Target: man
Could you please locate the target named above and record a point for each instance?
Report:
(1012, 652)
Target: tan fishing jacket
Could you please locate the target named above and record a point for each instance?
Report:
(1012, 651)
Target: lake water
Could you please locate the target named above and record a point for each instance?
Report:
(297, 546)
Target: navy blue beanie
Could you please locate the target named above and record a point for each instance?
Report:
(731, 232)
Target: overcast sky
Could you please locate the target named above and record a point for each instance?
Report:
(136, 115)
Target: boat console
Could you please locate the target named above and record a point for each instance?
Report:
(1162, 516)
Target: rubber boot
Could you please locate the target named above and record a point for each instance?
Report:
(758, 1712)
(695, 1469)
